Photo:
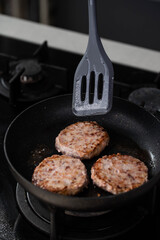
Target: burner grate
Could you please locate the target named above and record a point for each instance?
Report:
(105, 226)
(149, 98)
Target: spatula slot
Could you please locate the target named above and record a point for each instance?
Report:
(91, 87)
(100, 86)
(83, 88)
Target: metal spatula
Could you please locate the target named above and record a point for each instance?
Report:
(94, 72)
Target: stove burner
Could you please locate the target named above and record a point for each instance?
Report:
(105, 226)
(149, 98)
(29, 80)
(32, 72)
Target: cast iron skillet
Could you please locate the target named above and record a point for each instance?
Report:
(30, 138)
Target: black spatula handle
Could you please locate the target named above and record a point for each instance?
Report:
(92, 18)
(93, 30)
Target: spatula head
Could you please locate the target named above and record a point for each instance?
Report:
(93, 87)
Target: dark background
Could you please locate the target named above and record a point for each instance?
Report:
(136, 22)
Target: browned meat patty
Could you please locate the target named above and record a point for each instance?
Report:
(119, 173)
(61, 174)
(82, 140)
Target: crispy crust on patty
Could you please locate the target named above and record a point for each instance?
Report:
(61, 174)
(119, 173)
(82, 140)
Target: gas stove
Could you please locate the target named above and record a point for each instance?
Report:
(31, 72)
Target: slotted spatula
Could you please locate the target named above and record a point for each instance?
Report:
(94, 72)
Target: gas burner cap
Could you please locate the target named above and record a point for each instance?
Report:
(32, 72)
(149, 98)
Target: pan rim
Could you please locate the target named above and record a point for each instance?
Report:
(38, 192)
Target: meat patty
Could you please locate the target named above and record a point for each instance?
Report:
(119, 173)
(61, 174)
(82, 140)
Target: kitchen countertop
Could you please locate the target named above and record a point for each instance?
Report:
(75, 42)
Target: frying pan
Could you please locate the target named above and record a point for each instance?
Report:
(31, 137)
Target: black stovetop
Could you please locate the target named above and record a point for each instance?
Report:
(13, 224)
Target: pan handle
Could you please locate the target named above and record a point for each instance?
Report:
(53, 229)
(56, 227)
